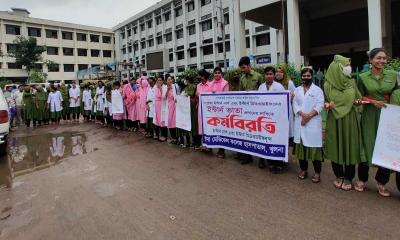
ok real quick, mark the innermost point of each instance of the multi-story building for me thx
(174, 35)
(72, 47)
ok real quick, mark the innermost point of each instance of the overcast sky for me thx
(99, 13)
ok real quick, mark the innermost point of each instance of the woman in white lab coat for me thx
(54, 104)
(100, 102)
(308, 104)
(87, 102)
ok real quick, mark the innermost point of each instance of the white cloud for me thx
(99, 13)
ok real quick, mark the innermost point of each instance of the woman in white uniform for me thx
(308, 104)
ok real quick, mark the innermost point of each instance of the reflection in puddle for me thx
(32, 153)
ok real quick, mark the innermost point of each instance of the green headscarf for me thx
(40, 94)
(339, 88)
(285, 80)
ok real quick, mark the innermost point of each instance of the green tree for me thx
(37, 76)
(26, 52)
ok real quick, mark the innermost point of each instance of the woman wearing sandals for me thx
(343, 144)
(376, 86)
(308, 104)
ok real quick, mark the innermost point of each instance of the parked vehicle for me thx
(4, 123)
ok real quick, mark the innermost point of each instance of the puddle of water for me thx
(32, 153)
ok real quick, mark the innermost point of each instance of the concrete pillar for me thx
(239, 47)
(293, 32)
(273, 45)
(375, 23)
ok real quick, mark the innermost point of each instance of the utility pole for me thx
(223, 32)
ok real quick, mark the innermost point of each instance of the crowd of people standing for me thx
(148, 105)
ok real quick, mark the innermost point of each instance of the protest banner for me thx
(255, 123)
(387, 144)
(183, 120)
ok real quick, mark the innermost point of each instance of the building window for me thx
(82, 67)
(130, 49)
(69, 68)
(39, 66)
(11, 47)
(129, 32)
(167, 16)
(81, 37)
(226, 18)
(247, 42)
(227, 47)
(190, 6)
(52, 50)
(193, 53)
(159, 40)
(149, 24)
(135, 47)
(123, 35)
(179, 34)
(192, 30)
(123, 50)
(51, 33)
(66, 35)
(94, 38)
(171, 57)
(54, 67)
(14, 66)
(142, 27)
(180, 55)
(135, 30)
(150, 42)
(206, 25)
(178, 12)
(106, 39)
(13, 29)
(94, 53)
(208, 66)
(262, 40)
(207, 50)
(143, 45)
(82, 52)
(68, 51)
(168, 37)
(107, 53)
(205, 2)
(158, 20)
(34, 32)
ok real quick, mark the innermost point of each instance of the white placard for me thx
(387, 144)
(183, 120)
(117, 103)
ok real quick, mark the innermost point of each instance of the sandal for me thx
(302, 175)
(359, 186)
(316, 178)
(338, 182)
(347, 185)
(383, 191)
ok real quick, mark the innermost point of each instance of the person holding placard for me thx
(308, 104)
(376, 86)
(219, 84)
(270, 85)
(203, 86)
(343, 143)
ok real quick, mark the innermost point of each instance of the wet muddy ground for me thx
(88, 182)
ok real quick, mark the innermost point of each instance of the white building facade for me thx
(72, 47)
(189, 33)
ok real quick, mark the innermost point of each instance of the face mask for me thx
(347, 70)
(185, 82)
(133, 85)
(278, 77)
(306, 81)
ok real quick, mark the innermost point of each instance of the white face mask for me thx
(347, 70)
(185, 82)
